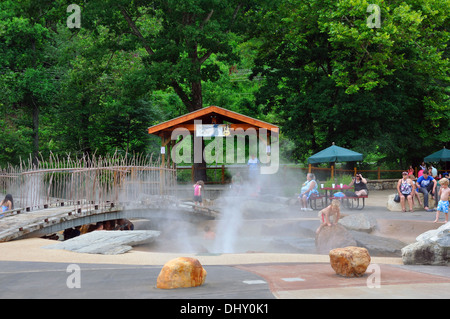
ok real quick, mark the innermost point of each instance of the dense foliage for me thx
(316, 68)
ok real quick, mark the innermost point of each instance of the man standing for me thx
(434, 172)
(426, 184)
(253, 167)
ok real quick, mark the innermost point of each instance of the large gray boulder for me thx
(331, 237)
(430, 248)
(355, 230)
(377, 245)
(107, 242)
(359, 222)
(393, 206)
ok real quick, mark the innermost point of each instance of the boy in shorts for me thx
(443, 204)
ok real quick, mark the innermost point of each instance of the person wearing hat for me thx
(426, 184)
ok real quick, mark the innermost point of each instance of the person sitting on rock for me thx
(326, 213)
(426, 184)
(406, 190)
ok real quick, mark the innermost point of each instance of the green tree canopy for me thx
(332, 78)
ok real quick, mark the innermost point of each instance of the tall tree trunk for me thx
(196, 103)
(85, 142)
(35, 114)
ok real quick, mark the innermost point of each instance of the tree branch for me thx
(205, 57)
(183, 96)
(208, 17)
(236, 11)
(136, 31)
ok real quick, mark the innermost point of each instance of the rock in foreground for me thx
(350, 261)
(107, 242)
(182, 272)
(431, 248)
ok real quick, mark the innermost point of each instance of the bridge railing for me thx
(86, 180)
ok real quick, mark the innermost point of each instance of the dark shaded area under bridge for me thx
(19, 224)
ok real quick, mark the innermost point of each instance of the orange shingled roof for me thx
(206, 114)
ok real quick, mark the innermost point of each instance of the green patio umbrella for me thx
(442, 155)
(335, 154)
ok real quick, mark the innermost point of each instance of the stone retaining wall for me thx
(215, 191)
(382, 184)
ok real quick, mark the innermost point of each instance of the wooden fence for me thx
(221, 174)
(85, 180)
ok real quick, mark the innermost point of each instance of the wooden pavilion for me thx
(210, 121)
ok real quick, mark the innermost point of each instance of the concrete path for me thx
(34, 272)
(29, 271)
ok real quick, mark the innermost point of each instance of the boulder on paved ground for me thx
(182, 272)
(431, 248)
(107, 242)
(349, 261)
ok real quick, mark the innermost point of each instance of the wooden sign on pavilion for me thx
(212, 121)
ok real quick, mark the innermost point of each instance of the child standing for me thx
(443, 204)
(327, 212)
(198, 192)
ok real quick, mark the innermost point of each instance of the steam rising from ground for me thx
(248, 221)
(237, 231)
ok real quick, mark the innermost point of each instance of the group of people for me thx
(428, 184)
(407, 188)
(310, 188)
(329, 215)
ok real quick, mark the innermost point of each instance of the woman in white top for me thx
(405, 188)
(308, 188)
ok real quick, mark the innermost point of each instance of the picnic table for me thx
(333, 189)
(351, 202)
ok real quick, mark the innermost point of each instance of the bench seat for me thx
(353, 202)
(313, 201)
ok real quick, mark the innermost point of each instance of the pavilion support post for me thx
(199, 161)
(162, 171)
(265, 145)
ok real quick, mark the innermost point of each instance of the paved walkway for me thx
(28, 271)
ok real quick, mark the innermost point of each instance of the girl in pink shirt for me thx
(198, 192)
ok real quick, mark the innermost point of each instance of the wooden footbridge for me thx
(19, 223)
(65, 193)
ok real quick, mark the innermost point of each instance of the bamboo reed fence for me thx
(85, 180)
